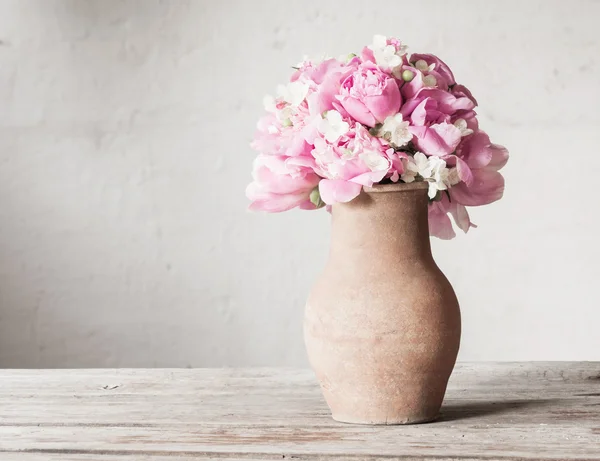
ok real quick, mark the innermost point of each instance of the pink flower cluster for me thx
(381, 117)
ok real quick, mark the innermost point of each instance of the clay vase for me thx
(382, 322)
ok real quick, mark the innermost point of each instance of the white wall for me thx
(124, 130)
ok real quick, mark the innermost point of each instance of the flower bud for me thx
(422, 65)
(315, 198)
(407, 75)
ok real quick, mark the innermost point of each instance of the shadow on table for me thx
(457, 411)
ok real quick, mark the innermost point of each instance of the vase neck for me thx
(386, 224)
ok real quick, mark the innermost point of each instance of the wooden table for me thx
(492, 412)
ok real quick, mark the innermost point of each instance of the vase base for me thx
(385, 422)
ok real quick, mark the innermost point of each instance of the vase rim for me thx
(396, 187)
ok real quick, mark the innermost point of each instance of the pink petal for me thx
(338, 191)
(464, 172)
(385, 104)
(439, 139)
(367, 55)
(449, 133)
(440, 225)
(410, 89)
(273, 203)
(461, 216)
(419, 114)
(499, 156)
(358, 110)
(463, 91)
(307, 205)
(284, 183)
(474, 149)
(487, 187)
(303, 161)
(370, 177)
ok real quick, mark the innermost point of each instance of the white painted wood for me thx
(495, 411)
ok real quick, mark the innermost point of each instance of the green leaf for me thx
(315, 198)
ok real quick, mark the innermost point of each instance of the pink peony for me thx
(343, 124)
(281, 184)
(485, 184)
(274, 139)
(431, 111)
(369, 95)
(356, 159)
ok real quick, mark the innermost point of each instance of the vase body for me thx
(382, 322)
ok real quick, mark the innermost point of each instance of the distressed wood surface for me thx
(502, 411)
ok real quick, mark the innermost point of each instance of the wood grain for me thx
(501, 411)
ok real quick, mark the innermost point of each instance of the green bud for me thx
(407, 75)
(350, 56)
(315, 198)
(287, 122)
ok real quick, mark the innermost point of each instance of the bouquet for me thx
(379, 117)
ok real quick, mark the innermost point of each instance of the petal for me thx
(464, 172)
(475, 150)
(274, 203)
(358, 111)
(463, 91)
(284, 183)
(487, 187)
(370, 177)
(439, 139)
(499, 156)
(307, 205)
(461, 216)
(367, 55)
(419, 114)
(386, 104)
(337, 190)
(440, 225)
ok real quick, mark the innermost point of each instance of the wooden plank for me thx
(492, 411)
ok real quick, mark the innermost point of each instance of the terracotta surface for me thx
(382, 323)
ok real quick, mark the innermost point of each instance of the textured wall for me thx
(124, 130)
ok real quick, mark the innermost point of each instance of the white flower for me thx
(375, 161)
(461, 124)
(307, 60)
(439, 176)
(433, 170)
(395, 130)
(332, 126)
(386, 56)
(293, 93)
(416, 165)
